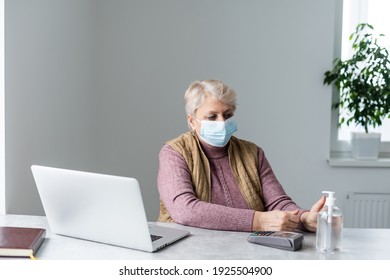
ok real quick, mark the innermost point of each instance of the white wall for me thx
(98, 86)
(48, 93)
(2, 114)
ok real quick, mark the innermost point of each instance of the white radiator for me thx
(367, 210)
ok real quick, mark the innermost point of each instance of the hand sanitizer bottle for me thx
(329, 226)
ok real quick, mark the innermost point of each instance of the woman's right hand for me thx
(275, 220)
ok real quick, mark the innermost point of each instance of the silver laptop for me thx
(101, 208)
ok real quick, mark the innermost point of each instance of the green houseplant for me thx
(364, 85)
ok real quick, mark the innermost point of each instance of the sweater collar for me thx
(212, 152)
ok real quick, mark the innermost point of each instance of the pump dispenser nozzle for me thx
(330, 201)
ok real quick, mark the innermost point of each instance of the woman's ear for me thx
(190, 121)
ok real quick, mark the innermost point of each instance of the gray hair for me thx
(197, 91)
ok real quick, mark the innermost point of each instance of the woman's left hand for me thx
(309, 219)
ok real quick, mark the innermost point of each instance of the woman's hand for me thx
(276, 220)
(309, 219)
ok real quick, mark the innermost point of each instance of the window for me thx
(374, 12)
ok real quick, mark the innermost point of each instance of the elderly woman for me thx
(208, 178)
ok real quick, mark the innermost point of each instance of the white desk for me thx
(202, 244)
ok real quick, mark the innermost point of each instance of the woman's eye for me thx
(228, 116)
(211, 118)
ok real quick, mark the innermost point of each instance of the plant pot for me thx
(365, 145)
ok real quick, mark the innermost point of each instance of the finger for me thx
(293, 212)
(293, 216)
(286, 226)
(318, 205)
(291, 226)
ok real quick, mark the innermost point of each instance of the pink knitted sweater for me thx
(227, 209)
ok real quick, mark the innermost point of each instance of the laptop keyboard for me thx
(155, 237)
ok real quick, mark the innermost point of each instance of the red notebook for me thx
(20, 241)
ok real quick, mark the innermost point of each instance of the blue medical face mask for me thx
(217, 133)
